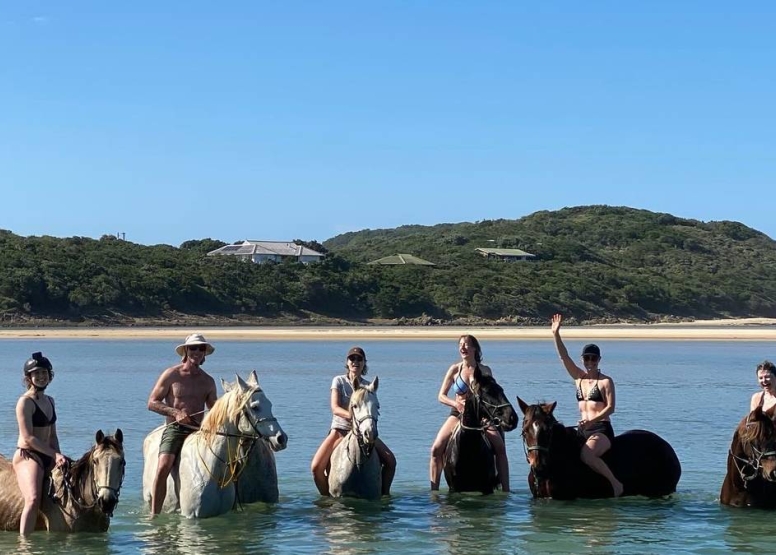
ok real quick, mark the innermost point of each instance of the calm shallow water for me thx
(691, 393)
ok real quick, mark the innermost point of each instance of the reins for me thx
(754, 462)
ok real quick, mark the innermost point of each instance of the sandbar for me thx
(747, 329)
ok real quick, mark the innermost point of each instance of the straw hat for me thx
(194, 339)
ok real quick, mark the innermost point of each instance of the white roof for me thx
(279, 248)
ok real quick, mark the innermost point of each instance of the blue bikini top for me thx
(459, 385)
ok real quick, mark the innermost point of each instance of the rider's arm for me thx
(336, 409)
(574, 371)
(447, 383)
(212, 394)
(754, 402)
(159, 394)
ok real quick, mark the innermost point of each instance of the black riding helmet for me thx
(38, 361)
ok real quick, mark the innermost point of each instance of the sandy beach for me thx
(751, 329)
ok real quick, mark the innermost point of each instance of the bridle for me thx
(70, 487)
(754, 461)
(491, 422)
(366, 450)
(527, 449)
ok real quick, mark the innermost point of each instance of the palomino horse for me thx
(644, 462)
(469, 462)
(751, 464)
(78, 497)
(214, 458)
(355, 469)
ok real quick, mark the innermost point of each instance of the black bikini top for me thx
(39, 418)
(594, 393)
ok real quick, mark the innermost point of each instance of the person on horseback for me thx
(341, 391)
(766, 377)
(459, 378)
(180, 395)
(38, 445)
(595, 394)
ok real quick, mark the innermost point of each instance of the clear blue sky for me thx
(275, 120)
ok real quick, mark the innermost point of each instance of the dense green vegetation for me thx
(594, 263)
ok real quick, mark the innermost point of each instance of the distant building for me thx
(510, 255)
(399, 259)
(269, 251)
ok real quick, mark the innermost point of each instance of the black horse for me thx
(469, 462)
(644, 462)
(750, 480)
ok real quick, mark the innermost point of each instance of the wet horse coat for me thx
(643, 461)
(750, 480)
(469, 462)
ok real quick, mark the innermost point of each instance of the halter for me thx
(70, 488)
(366, 450)
(234, 462)
(753, 462)
(492, 422)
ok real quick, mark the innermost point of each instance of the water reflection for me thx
(350, 526)
(469, 523)
(748, 530)
(236, 532)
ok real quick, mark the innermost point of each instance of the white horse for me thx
(214, 458)
(355, 469)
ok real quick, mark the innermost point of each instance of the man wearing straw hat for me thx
(180, 395)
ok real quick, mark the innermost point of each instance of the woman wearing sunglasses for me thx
(341, 391)
(595, 394)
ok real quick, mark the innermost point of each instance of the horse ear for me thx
(550, 407)
(253, 379)
(119, 436)
(225, 385)
(99, 437)
(375, 383)
(523, 405)
(241, 384)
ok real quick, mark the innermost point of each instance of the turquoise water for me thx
(691, 393)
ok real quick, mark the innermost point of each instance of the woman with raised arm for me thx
(458, 378)
(595, 394)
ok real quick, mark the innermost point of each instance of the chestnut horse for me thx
(644, 462)
(751, 463)
(469, 462)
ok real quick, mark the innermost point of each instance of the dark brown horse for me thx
(644, 462)
(469, 462)
(751, 464)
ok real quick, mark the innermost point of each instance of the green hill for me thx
(595, 263)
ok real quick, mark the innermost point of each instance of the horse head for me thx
(538, 428)
(755, 451)
(107, 464)
(256, 418)
(364, 412)
(492, 404)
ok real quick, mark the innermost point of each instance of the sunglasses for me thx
(200, 348)
(590, 357)
(355, 358)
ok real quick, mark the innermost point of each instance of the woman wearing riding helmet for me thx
(38, 445)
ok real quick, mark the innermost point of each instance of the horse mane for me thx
(358, 396)
(227, 408)
(757, 427)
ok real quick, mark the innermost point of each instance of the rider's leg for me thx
(388, 462)
(320, 463)
(436, 464)
(595, 446)
(500, 453)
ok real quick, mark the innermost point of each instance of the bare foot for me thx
(617, 487)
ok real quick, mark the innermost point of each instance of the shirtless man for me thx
(181, 394)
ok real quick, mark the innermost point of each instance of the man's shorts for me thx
(173, 437)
